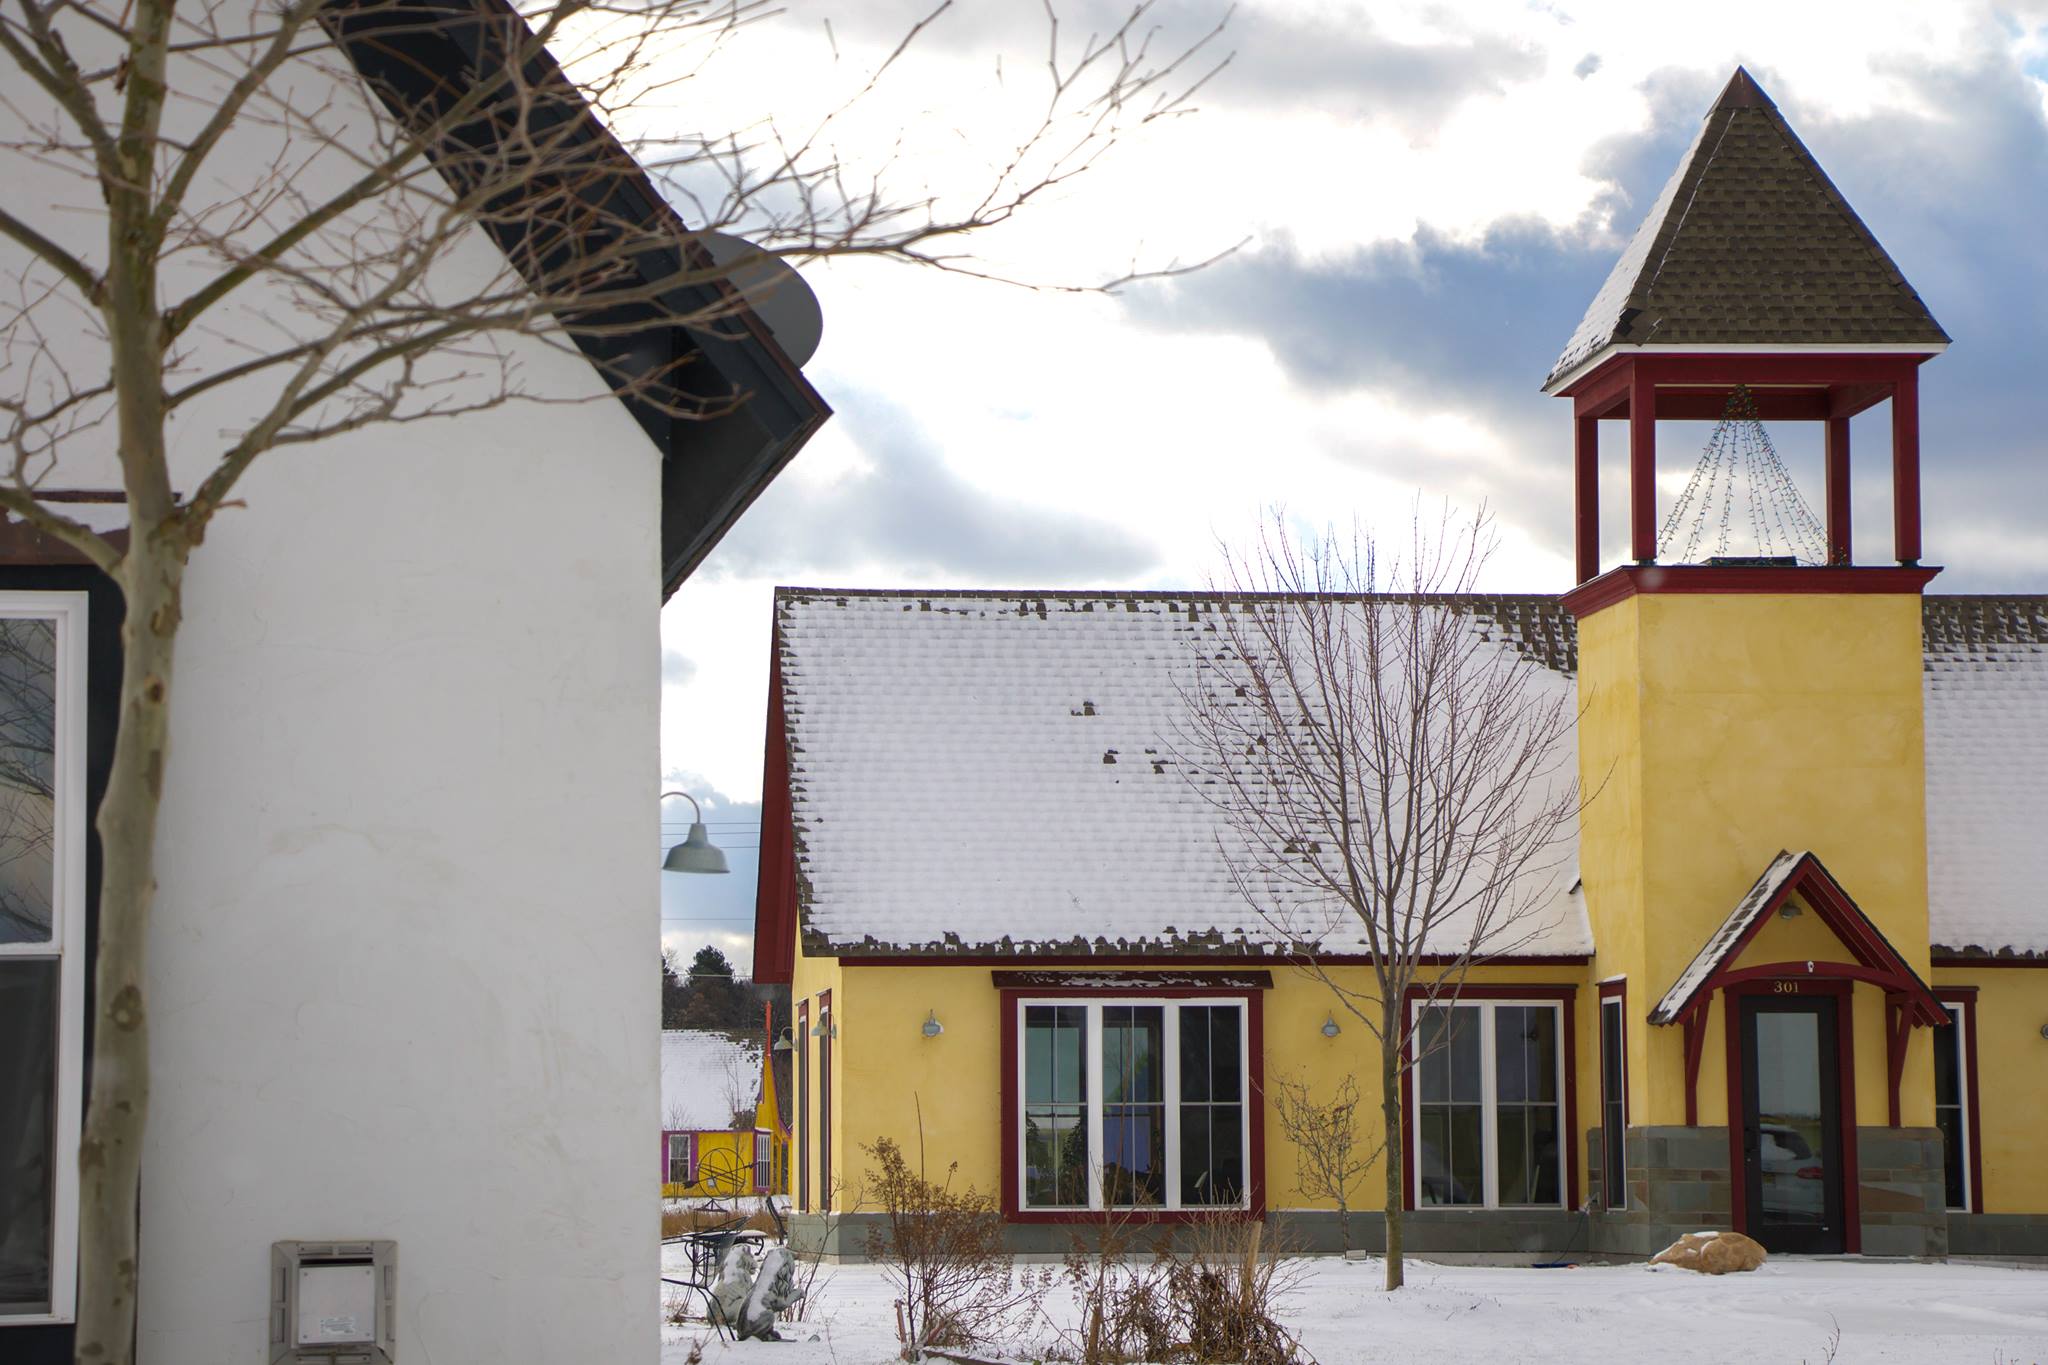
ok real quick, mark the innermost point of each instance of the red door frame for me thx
(1843, 994)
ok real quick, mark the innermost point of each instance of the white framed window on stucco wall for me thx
(1489, 1103)
(1141, 1103)
(42, 950)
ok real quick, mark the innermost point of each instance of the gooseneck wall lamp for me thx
(696, 853)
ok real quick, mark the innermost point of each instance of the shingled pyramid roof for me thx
(1751, 244)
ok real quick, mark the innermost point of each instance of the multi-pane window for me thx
(1489, 1121)
(1613, 1104)
(681, 1147)
(1951, 1105)
(764, 1161)
(1055, 1105)
(1133, 1106)
(1211, 1105)
(1128, 1104)
(42, 823)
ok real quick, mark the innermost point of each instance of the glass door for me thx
(1791, 1127)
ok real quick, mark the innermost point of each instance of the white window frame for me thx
(1960, 1039)
(689, 1141)
(1609, 1184)
(1489, 1122)
(1091, 1044)
(67, 610)
(764, 1160)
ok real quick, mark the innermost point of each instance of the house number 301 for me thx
(1784, 988)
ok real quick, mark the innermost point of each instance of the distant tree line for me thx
(709, 995)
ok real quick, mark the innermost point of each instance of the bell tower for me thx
(1739, 708)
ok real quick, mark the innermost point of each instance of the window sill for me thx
(1241, 1214)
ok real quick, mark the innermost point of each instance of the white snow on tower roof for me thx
(705, 1077)
(1987, 772)
(990, 771)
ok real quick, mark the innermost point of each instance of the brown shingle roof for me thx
(1751, 244)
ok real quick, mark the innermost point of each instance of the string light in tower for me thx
(1740, 463)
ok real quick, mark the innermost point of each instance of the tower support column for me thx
(1838, 490)
(1642, 466)
(1586, 495)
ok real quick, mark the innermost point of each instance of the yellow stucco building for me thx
(724, 1130)
(1802, 915)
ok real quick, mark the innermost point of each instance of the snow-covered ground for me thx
(1785, 1312)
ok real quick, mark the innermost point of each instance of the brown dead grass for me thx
(677, 1220)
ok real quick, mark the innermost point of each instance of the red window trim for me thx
(1616, 991)
(1567, 998)
(1964, 998)
(1255, 1106)
(803, 1106)
(1843, 993)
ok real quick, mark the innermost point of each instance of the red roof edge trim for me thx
(1630, 580)
(775, 896)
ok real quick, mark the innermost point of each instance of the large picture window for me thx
(1132, 1104)
(1488, 1120)
(42, 949)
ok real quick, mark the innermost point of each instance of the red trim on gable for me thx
(1630, 580)
(1878, 962)
(775, 898)
(1975, 963)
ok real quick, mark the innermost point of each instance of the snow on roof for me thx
(1986, 678)
(951, 790)
(705, 1077)
(992, 771)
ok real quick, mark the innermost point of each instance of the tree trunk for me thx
(1390, 1115)
(151, 576)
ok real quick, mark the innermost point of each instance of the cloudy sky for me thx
(1428, 195)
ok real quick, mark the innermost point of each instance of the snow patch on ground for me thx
(1493, 1315)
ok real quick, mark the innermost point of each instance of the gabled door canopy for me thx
(1908, 1002)
(1877, 962)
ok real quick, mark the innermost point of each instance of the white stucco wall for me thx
(402, 956)
(402, 964)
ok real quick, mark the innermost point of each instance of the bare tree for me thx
(1395, 779)
(739, 1087)
(1330, 1159)
(259, 240)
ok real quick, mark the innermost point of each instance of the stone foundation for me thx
(2003, 1235)
(1903, 1193)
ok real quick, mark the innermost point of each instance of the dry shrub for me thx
(942, 1248)
(1215, 1303)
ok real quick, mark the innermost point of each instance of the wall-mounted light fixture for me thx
(826, 1027)
(783, 1042)
(2044, 1030)
(932, 1027)
(1330, 1029)
(696, 853)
